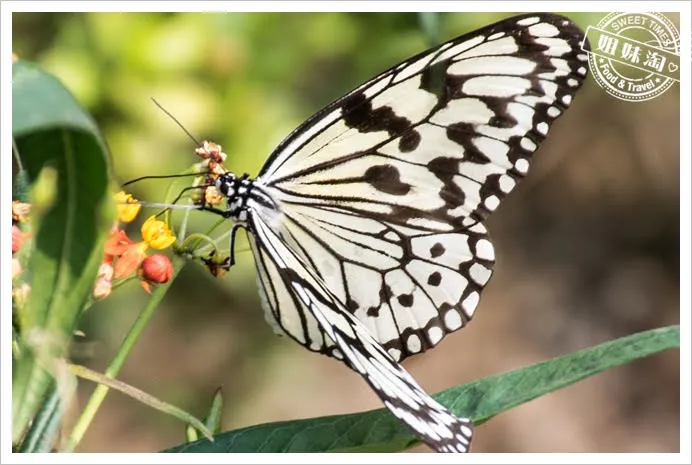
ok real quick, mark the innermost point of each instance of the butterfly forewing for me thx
(383, 191)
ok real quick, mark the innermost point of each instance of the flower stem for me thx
(99, 394)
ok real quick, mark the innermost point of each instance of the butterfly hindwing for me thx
(353, 343)
(423, 285)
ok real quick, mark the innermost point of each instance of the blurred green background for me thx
(587, 247)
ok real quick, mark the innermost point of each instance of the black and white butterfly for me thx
(366, 221)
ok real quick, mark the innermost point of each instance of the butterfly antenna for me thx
(164, 176)
(176, 122)
(167, 206)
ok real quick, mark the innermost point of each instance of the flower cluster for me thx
(212, 167)
(20, 214)
(124, 257)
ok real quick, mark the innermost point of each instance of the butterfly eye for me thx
(225, 183)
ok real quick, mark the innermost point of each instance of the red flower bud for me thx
(157, 269)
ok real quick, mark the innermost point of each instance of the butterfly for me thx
(366, 222)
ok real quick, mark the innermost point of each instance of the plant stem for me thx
(99, 394)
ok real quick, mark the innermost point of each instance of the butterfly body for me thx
(366, 222)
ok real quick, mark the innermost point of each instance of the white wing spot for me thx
(566, 99)
(458, 49)
(582, 57)
(507, 183)
(412, 68)
(336, 353)
(522, 165)
(479, 273)
(452, 320)
(376, 88)
(467, 110)
(526, 144)
(435, 334)
(510, 67)
(582, 71)
(497, 86)
(544, 30)
(553, 112)
(497, 35)
(470, 303)
(485, 250)
(395, 354)
(392, 236)
(468, 221)
(572, 82)
(528, 21)
(466, 431)
(413, 343)
(542, 127)
(492, 202)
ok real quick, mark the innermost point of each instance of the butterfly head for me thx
(227, 184)
(236, 189)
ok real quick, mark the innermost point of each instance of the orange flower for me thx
(129, 253)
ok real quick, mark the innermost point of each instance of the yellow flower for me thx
(157, 234)
(127, 206)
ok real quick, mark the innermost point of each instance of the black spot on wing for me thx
(409, 141)
(435, 278)
(463, 134)
(406, 300)
(359, 114)
(386, 178)
(437, 250)
(434, 79)
(445, 168)
(373, 311)
(351, 305)
(385, 293)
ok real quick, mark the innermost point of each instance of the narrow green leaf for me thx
(212, 421)
(379, 431)
(213, 418)
(44, 428)
(191, 433)
(50, 129)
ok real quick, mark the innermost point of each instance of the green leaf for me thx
(59, 143)
(379, 431)
(45, 426)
